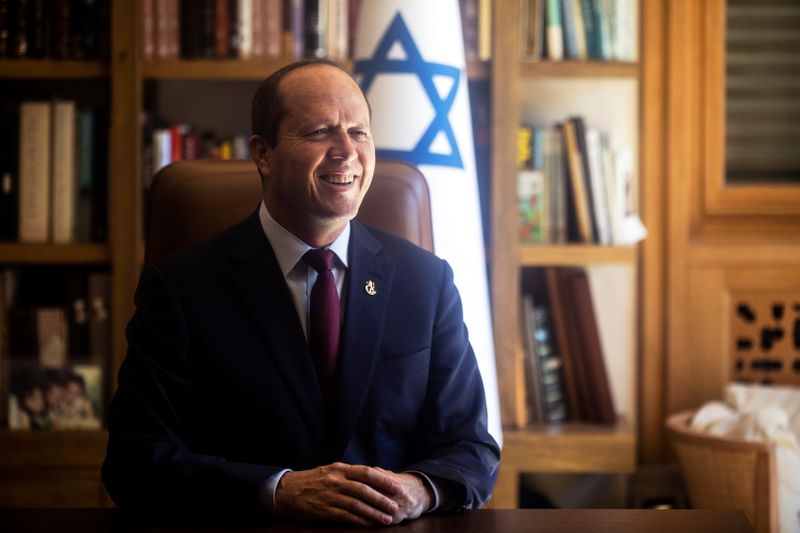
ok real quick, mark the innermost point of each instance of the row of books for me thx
(556, 30)
(573, 185)
(176, 142)
(565, 370)
(59, 29)
(247, 29)
(272, 29)
(54, 331)
(52, 168)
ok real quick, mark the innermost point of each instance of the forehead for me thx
(321, 87)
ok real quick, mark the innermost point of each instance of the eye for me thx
(361, 134)
(319, 132)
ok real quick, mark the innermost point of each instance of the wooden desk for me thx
(482, 521)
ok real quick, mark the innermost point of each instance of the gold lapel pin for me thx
(370, 288)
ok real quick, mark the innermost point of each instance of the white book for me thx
(245, 14)
(162, 149)
(34, 171)
(64, 186)
(598, 180)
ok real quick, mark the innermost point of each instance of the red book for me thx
(590, 350)
(222, 29)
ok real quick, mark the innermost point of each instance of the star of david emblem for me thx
(413, 63)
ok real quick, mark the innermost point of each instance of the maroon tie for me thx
(325, 320)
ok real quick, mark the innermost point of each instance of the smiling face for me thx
(321, 166)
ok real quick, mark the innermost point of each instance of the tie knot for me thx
(319, 259)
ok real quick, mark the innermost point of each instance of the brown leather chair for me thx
(190, 200)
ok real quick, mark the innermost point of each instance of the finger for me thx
(376, 478)
(354, 507)
(368, 495)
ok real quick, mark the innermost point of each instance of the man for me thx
(224, 401)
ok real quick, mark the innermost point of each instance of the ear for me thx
(259, 153)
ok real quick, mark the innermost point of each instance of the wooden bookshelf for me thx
(54, 254)
(560, 448)
(532, 255)
(579, 69)
(52, 69)
(209, 69)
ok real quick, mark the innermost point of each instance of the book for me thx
(9, 171)
(64, 184)
(245, 27)
(580, 31)
(51, 333)
(549, 366)
(554, 33)
(34, 171)
(577, 184)
(590, 351)
(531, 29)
(533, 381)
(579, 126)
(566, 343)
(222, 28)
(555, 183)
(147, 20)
(484, 30)
(99, 314)
(600, 207)
(273, 29)
(570, 35)
(531, 197)
(469, 28)
(294, 32)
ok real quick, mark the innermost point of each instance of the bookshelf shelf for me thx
(210, 69)
(579, 69)
(78, 253)
(44, 448)
(52, 69)
(534, 255)
(571, 447)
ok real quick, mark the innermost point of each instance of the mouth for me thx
(337, 178)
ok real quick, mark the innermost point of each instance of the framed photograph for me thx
(49, 398)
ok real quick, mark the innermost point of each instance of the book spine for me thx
(273, 28)
(162, 28)
(579, 127)
(312, 29)
(222, 27)
(533, 380)
(554, 31)
(34, 162)
(147, 8)
(570, 39)
(580, 30)
(591, 350)
(577, 183)
(86, 138)
(5, 28)
(295, 14)
(245, 29)
(207, 27)
(77, 29)
(259, 32)
(173, 46)
(469, 27)
(484, 30)
(63, 172)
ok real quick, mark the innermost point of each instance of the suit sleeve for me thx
(149, 464)
(461, 456)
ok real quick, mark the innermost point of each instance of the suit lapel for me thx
(369, 282)
(260, 284)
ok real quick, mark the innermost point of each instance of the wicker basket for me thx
(723, 473)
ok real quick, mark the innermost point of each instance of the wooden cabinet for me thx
(714, 245)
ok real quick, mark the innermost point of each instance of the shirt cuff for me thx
(267, 493)
(432, 486)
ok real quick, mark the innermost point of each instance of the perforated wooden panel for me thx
(766, 337)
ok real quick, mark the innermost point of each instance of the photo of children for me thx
(54, 398)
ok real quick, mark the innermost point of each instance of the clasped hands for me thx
(352, 494)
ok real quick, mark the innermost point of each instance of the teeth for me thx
(339, 179)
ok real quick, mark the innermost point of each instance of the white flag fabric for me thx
(409, 58)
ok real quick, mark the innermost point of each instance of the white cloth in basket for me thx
(763, 414)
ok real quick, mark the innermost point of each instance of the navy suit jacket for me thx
(218, 390)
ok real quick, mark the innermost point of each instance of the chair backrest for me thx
(190, 200)
(723, 473)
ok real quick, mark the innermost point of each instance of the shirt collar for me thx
(289, 249)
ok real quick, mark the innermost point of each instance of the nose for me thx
(342, 148)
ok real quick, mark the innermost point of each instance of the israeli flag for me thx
(409, 58)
